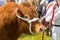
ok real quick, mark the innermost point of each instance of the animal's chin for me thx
(34, 31)
(28, 33)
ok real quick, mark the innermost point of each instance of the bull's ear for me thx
(19, 12)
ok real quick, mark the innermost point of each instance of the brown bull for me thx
(11, 26)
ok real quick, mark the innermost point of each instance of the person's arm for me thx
(49, 10)
(48, 13)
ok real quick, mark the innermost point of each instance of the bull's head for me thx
(28, 18)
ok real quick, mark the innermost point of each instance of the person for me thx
(39, 9)
(53, 15)
(2, 2)
(48, 29)
(44, 3)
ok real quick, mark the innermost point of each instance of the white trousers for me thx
(55, 33)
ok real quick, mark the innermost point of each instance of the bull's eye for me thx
(20, 13)
(26, 16)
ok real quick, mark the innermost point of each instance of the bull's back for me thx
(8, 22)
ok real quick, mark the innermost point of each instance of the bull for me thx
(17, 19)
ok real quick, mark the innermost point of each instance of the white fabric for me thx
(49, 12)
(44, 2)
(55, 33)
(48, 15)
(56, 19)
(19, 1)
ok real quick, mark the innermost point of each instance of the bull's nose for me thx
(41, 29)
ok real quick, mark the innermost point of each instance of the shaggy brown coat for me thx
(11, 26)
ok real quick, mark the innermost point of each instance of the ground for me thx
(33, 37)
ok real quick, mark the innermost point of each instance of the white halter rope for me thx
(29, 21)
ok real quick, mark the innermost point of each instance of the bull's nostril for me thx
(41, 29)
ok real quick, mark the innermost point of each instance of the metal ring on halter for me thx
(29, 21)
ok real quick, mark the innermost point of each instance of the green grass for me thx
(33, 37)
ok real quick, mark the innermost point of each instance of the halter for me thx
(29, 21)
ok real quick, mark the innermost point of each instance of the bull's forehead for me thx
(28, 9)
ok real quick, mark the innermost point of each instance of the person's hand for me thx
(41, 19)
